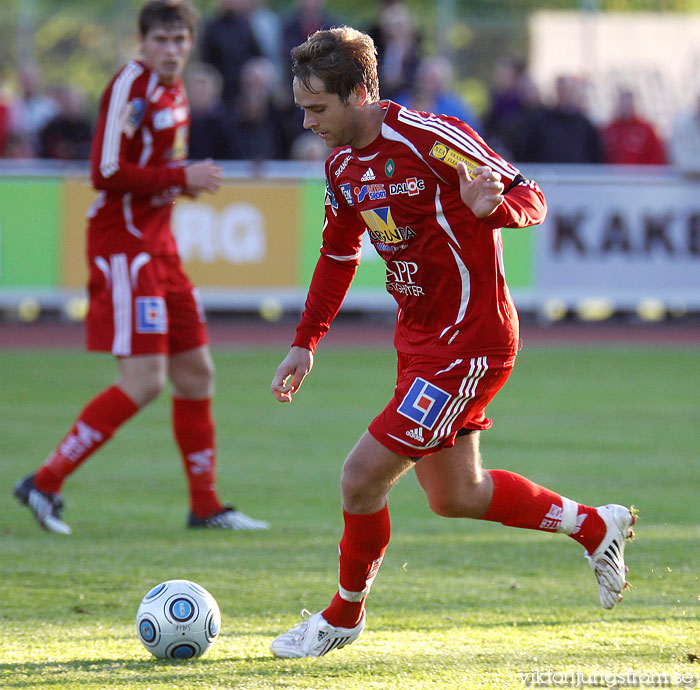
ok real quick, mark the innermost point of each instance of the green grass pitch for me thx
(456, 605)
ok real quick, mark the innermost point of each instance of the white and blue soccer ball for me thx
(178, 619)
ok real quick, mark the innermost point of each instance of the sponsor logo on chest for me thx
(382, 228)
(412, 186)
(373, 191)
(169, 117)
(400, 278)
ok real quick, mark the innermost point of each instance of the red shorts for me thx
(143, 305)
(434, 399)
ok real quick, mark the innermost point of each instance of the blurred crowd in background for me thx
(240, 94)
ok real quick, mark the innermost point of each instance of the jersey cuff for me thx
(308, 337)
(499, 217)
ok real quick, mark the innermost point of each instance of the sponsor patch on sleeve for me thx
(330, 197)
(345, 189)
(151, 316)
(451, 156)
(132, 116)
(424, 403)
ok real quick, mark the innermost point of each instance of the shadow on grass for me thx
(125, 673)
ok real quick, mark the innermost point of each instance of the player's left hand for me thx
(202, 176)
(482, 192)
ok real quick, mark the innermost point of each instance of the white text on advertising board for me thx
(235, 234)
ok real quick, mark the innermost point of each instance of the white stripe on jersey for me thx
(121, 304)
(129, 216)
(499, 251)
(151, 93)
(466, 286)
(347, 257)
(337, 155)
(440, 217)
(458, 138)
(109, 160)
(147, 139)
(96, 205)
(390, 133)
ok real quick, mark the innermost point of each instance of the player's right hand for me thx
(481, 190)
(295, 366)
(202, 176)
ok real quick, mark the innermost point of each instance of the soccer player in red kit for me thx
(143, 308)
(432, 197)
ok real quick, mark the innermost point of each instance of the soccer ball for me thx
(178, 619)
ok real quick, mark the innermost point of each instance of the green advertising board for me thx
(519, 256)
(29, 234)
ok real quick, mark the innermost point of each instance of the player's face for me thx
(166, 49)
(337, 123)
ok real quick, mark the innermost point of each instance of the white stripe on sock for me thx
(569, 513)
(346, 595)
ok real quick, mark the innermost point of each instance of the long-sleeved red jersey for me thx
(138, 152)
(444, 266)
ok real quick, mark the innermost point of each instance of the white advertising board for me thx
(623, 235)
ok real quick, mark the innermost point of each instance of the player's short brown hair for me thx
(342, 58)
(167, 13)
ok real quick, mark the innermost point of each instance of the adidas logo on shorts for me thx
(416, 434)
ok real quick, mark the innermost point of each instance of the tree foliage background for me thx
(82, 42)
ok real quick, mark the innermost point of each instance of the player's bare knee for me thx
(363, 489)
(353, 486)
(192, 375)
(142, 380)
(194, 383)
(151, 386)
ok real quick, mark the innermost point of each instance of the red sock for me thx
(95, 425)
(362, 548)
(194, 432)
(518, 502)
(590, 528)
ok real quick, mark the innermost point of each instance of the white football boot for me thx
(314, 636)
(228, 518)
(46, 508)
(608, 560)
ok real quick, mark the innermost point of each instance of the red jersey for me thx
(138, 151)
(444, 266)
